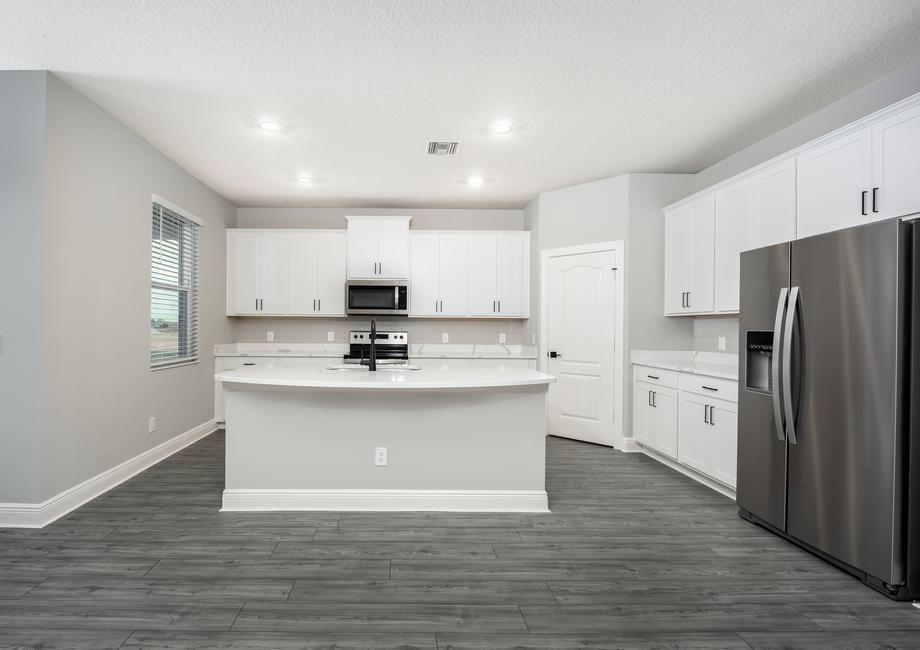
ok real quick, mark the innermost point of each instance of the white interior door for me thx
(581, 335)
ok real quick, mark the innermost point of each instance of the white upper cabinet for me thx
(453, 275)
(378, 248)
(256, 273)
(499, 275)
(735, 217)
(285, 273)
(439, 271)
(754, 211)
(690, 252)
(834, 184)
(774, 204)
(895, 188)
(316, 277)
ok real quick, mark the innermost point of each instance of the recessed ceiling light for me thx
(268, 124)
(502, 128)
(304, 179)
(474, 181)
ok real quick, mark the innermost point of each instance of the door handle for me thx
(649, 398)
(712, 411)
(655, 399)
(875, 199)
(319, 304)
(777, 334)
(683, 299)
(688, 300)
(706, 413)
(499, 306)
(652, 376)
(787, 363)
(710, 388)
(863, 204)
(555, 355)
(493, 306)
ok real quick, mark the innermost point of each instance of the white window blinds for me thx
(173, 289)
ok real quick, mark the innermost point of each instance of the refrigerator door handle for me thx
(777, 333)
(787, 364)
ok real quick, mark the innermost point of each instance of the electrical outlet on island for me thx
(330, 336)
(722, 343)
(501, 337)
(269, 336)
(444, 337)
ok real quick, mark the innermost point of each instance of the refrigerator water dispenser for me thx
(759, 359)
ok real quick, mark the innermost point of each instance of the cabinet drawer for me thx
(655, 376)
(712, 387)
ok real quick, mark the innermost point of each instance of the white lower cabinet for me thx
(690, 418)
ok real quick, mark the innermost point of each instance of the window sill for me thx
(177, 364)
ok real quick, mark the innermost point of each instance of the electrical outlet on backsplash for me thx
(707, 331)
(421, 330)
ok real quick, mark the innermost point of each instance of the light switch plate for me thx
(269, 336)
(444, 337)
(501, 337)
(152, 425)
(722, 343)
(380, 456)
(330, 336)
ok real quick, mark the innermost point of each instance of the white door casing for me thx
(582, 322)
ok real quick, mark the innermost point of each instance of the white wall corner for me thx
(38, 515)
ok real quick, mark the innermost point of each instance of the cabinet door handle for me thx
(706, 413)
(875, 199)
(655, 399)
(251, 363)
(688, 299)
(863, 202)
(710, 388)
(652, 376)
(493, 306)
(650, 398)
(319, 304)
(314, 304)
(499, 306)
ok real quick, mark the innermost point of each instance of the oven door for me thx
(377, 298)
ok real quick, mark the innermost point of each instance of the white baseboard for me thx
(387, 500)
(37, 515)
(696, 476)
(630, 446)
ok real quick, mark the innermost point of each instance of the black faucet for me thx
(372, 360)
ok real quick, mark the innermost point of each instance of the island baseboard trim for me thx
(38, 515)
(240, 500)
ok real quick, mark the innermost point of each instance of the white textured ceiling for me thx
(595, 89)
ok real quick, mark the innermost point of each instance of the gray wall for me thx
(22, 127)
(313, 330)
(97, 387)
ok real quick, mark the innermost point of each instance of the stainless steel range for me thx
(392, 348)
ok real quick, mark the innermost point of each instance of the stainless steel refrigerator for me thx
(828, 454)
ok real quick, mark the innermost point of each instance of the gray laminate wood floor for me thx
(633, 556)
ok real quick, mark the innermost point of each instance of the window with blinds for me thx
(173, 289)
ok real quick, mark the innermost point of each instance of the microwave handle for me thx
(396, 297)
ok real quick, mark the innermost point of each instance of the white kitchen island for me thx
(457, 438)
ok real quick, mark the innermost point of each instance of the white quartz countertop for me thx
(416, 350)
(710, 364)
(440, 378)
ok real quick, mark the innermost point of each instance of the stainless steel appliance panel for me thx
(846, 377)
(761, 488)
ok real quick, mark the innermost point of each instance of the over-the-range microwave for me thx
(377, 297)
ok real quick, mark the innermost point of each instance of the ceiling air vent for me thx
(444, 148)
